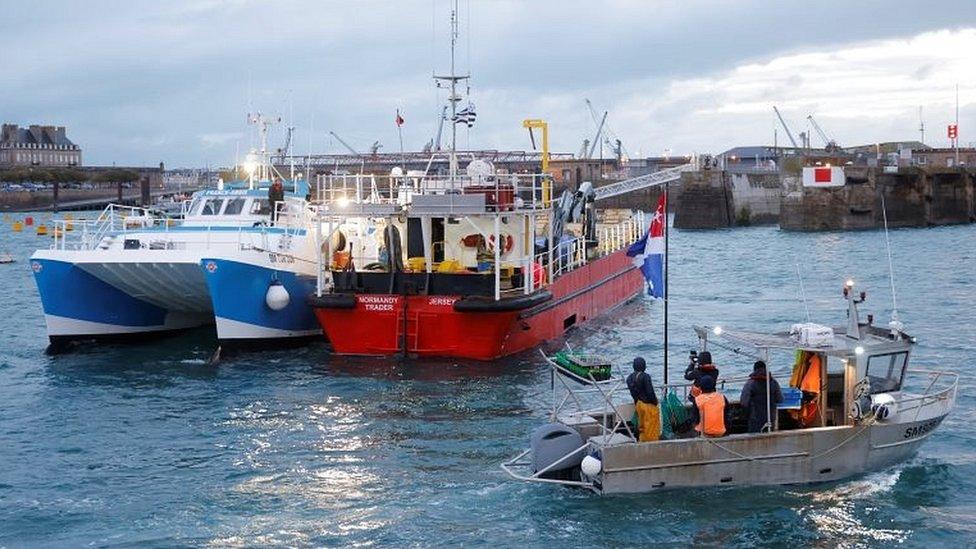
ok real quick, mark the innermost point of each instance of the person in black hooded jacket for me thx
(696, 370)
(645, 402)
(759, 410)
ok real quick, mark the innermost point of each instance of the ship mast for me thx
(454, 98)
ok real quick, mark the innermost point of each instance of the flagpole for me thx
(666, 285)
(403, 165)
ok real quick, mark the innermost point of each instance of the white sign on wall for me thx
(823, 176)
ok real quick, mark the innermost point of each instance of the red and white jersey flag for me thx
(648, 251)
(399, 119)
(823, 176)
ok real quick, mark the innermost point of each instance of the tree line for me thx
(67, 175)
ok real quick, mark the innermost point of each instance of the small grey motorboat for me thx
(867, 411)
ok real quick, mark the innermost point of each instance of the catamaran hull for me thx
(79, 305)
(238, 290)
(436, 326)
(784, 457)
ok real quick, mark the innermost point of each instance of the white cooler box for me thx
(809, 334)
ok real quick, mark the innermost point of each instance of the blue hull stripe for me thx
(68, 291)
(238, 290)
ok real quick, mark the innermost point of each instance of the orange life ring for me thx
(507, 238)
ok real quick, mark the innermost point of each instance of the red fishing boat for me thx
(474, 266)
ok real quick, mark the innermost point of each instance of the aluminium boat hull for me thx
(783, 457)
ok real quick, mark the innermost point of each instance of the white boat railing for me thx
(503, 192)
(121, 221)
(933, 394)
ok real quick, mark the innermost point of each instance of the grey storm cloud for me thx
(141, 82)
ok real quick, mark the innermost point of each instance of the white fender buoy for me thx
(884, 406)
(277, 297)
(591, 466)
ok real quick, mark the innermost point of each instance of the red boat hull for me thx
(377, 323)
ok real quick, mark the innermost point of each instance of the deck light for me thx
(858, 350)
(849, 283)
(717, 330)
(342, 202)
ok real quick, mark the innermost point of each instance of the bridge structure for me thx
(645, 181)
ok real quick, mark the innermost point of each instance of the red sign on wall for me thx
(953, 131)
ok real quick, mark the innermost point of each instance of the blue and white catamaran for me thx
(235, 260)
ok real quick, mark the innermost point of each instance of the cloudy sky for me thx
(142, 82)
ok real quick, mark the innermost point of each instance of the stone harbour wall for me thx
(911, 197)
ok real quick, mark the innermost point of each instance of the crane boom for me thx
(596, 140)
(785, 127)
(440, 129)
(344, 144)
(827, 141)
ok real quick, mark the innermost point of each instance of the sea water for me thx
(149, 445)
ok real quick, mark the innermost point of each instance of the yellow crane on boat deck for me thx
(538, 123)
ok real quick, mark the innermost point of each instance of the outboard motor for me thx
(551, 443)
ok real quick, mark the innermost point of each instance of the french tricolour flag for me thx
(648, 252)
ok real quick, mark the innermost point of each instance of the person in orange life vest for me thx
(645, 402)
(710, 409)
(696, 369)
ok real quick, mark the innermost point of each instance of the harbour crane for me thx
(608, 135)
(539, 124)
(785, 127)
(286, 151)
(344, 144)
(596, 140)
(584, 148)
(287, 147)
(440, 129)
(829, 144)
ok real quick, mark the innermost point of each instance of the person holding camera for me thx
(699, 367)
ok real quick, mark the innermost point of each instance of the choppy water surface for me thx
(149, 445)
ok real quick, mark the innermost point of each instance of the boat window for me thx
(234, 206)
(885, 372)
(261, 206)
(210, 206)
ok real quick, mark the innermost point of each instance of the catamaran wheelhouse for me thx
(460, 266)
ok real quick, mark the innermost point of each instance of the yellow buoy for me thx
(18, 226)
(41, 229)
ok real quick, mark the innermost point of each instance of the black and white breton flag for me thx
(466, 115)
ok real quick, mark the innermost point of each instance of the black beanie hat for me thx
(707, 384)
(704, 357)
(639, 364)
(759, 366)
